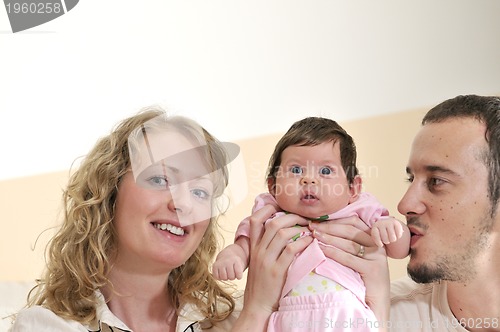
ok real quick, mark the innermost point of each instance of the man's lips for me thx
(414, 230)
(415, 235)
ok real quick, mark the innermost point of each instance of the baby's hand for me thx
(230, 263)
(387, 230)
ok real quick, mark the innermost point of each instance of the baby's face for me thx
(311, 181)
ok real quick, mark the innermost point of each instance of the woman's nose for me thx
(180, 199)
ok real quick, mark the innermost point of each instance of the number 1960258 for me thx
(34, 8)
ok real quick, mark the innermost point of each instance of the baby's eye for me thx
(325, 171)
(296, 170)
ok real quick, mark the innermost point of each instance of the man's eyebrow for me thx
(432, 169)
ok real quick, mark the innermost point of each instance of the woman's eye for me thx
(158, 181)
(325, 171)
(200, 193)
(296, 170)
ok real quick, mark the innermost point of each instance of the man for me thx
(452, 210)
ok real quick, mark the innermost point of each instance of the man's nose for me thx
(411, 203)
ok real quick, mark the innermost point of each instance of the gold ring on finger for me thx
(361, 251)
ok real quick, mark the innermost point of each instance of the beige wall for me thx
(30, 205)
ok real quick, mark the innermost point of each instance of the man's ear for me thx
(355, 188)
(271, 187)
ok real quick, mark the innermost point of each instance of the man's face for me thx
(447, 205)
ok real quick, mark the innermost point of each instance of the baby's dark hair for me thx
(312, 131)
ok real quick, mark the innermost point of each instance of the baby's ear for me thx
(271, 187)
(355, 188)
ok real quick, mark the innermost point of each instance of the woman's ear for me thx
(355, 188)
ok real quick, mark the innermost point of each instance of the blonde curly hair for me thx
(79, 256)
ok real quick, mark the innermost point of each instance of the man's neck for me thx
(476, 302)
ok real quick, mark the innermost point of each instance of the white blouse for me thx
(41, 319)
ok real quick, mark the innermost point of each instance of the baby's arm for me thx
(232, 260)
(394, 235)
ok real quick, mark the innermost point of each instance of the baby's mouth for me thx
(170, 228)
(309, 196)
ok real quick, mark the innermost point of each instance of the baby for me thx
(313, 173)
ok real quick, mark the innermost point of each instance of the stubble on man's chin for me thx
(459, 266)
(444, 268)
(424, 274)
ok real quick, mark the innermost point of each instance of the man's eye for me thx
(296, 170)
(325, 171)
(433, 182)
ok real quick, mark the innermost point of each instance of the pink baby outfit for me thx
(340, 308)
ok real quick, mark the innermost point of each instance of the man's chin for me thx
(424, 274)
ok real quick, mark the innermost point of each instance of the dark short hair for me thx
(312, 131)
(485, 109)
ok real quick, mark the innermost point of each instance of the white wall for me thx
(240, 67)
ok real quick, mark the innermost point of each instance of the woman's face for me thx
(163, 213)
